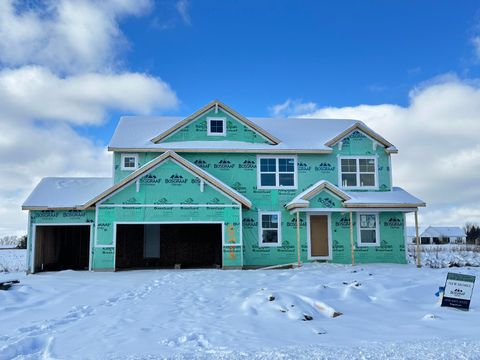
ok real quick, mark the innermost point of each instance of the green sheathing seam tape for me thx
(235, 131)
(52, 217)
(174, 195)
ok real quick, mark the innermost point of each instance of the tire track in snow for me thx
(36, 340)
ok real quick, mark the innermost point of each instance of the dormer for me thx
(216, 122)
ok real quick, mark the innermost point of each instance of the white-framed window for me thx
(277, 172)
(368, 233)
(358, 172)
(216, 126)
(269, 228)
(129, 161)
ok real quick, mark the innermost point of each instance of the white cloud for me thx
(476, 46)
(68, 35)
(438, 139)
(35, 92)
(182, 7)
(61, 72)
(291, 108)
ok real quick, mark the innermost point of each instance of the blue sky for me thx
(409, 69)
(254, 54)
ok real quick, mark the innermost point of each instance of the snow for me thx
(13, 260)
(396, 196)
(295, 133)
(444, 231)
(65, 192)
(448, 255)
(388, 312)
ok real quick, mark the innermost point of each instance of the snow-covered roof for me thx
(411, 232)
(397, 196)
(444, 231)
(304, 134)
(212, 180)
(65, 192)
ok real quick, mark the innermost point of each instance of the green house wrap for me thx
(217, 189)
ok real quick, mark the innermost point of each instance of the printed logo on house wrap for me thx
(326, 202)
(74, 214)
(231, 127)
(224, 165)
(132, 200)
(150, 179)
(248, 165)
(201, 126)
(189, 201)
(394, 223)
(46, 214)
(325, 167)
(201, 164)
(357, 135)
(239, 187)
(343, 222)
(249, 223)
(303, 167)
(175, 179)
(293, 222)
(214, 201)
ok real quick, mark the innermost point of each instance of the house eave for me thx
(229, 150)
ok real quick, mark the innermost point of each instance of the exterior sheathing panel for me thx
(172, 194)
(239, 171)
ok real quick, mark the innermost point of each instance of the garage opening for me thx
(168, 245)
(62, 247)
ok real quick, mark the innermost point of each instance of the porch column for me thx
(419, 260)
(298, 239)
(352, 245)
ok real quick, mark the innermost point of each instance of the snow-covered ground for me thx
(13, 260)
(441, 256)
(388, 312)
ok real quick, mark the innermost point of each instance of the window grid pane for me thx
(216, 126)
(277, 172)
(129, 162)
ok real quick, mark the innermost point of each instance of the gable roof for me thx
(301, 135)
(445, 231)
(395, 198)
(366, 130)
(213, 181)
(208, 107)
(57, 193)
(301, 200)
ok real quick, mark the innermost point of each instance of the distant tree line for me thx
(472, 231)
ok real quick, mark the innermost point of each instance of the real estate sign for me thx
(458, 291)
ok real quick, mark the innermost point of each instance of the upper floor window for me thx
(129, 162)
(368, 229)
(358, 172)
(277, 172)
(216, 126)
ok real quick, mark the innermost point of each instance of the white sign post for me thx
(458, 291)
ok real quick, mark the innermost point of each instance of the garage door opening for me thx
(62, 247)
(168, 245)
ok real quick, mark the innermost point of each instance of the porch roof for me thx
(395, 198)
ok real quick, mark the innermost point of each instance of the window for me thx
(368, 230)
(129, 161)
(277, 172)
(269, 229)
(358, 172)
(216, 126)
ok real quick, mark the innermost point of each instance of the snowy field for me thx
(13, 260)
(388, 312)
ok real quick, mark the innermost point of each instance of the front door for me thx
(319, 236)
